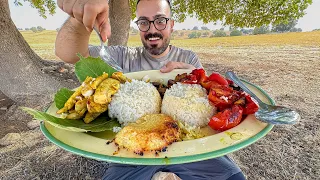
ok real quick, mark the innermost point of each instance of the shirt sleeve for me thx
(194, 60)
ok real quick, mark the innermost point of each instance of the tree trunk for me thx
(120, 16)
(20, 67)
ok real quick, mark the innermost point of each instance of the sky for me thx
(26, 17)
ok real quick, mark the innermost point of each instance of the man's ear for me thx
(172, 24)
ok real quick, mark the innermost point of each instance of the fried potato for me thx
(150, 132)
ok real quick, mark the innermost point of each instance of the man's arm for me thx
(74, 35)
(72, 38)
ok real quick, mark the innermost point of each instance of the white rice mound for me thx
(133, 100)
(189, 104)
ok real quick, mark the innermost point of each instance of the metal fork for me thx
(105, 55)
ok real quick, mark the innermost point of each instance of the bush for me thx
(235, 33)
(194, 34)
(219, 33)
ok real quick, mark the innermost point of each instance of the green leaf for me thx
(92, 67)
(61, 97)
(102, 123)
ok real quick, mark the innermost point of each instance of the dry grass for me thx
(43, 42)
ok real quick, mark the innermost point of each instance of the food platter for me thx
(96, 146)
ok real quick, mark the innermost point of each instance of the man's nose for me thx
(153, 28)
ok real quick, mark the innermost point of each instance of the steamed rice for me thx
(189, 104)
(133, 100)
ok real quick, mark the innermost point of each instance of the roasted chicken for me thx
(148, 133)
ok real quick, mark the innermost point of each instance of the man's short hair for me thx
(169, 2)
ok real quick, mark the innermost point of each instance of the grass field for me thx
(43, 42)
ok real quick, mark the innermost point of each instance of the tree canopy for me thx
(237, 13)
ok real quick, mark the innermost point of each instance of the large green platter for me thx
(94, 145)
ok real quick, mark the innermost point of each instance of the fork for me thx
(105, 55)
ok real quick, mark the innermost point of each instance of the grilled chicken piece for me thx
(87, 90)
(90, 117)
(81, 106)
(105, 90)
(150, 132)
(98, 80)
(120, 77)
(94, 110)
(74, 115)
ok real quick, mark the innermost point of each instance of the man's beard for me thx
(153, 49)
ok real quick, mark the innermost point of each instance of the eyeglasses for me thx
(159, 23)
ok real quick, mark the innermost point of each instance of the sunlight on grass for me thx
(43, 42)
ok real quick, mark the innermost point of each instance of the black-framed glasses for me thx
(159, 23)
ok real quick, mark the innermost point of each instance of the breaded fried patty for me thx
(150, 132)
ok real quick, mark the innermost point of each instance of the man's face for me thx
(155, 41)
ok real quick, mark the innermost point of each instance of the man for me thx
(155, 25)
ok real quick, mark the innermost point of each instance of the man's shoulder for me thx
(181, 50)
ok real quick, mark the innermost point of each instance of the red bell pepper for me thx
(226, 119)
(218, 78)
(201, 75)
(250, 106)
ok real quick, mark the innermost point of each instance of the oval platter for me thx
(95, 146)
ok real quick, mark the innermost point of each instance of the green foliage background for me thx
(238, 13)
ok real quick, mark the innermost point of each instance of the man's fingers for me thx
(104, 25)
(68, 7)
(78, 10)
(175, 65)
(89, 16)
(60, 4)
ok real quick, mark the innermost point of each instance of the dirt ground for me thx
(289, 74)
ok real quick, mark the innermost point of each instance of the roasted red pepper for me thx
(190, 79)
(226, 119)
(209, 84)
(218, 78)
(201, 75)
(250, 106)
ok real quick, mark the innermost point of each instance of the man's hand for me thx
(90, 13)
(175, 65)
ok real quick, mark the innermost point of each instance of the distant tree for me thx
(206, 34)
(221, 29)
(316, 29)
(20, 29)
(184, 29)
(195, 28)
(181, 33)
(296, 29)
(246, 31)
(34, 29)
(204, 28)
(261, 30)
(27, 29)
(133, 30)
(235, 33)
(219, 33)
(39, 28)
(194, 34)
(284, 27)
(175, 33)
(58, 29)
